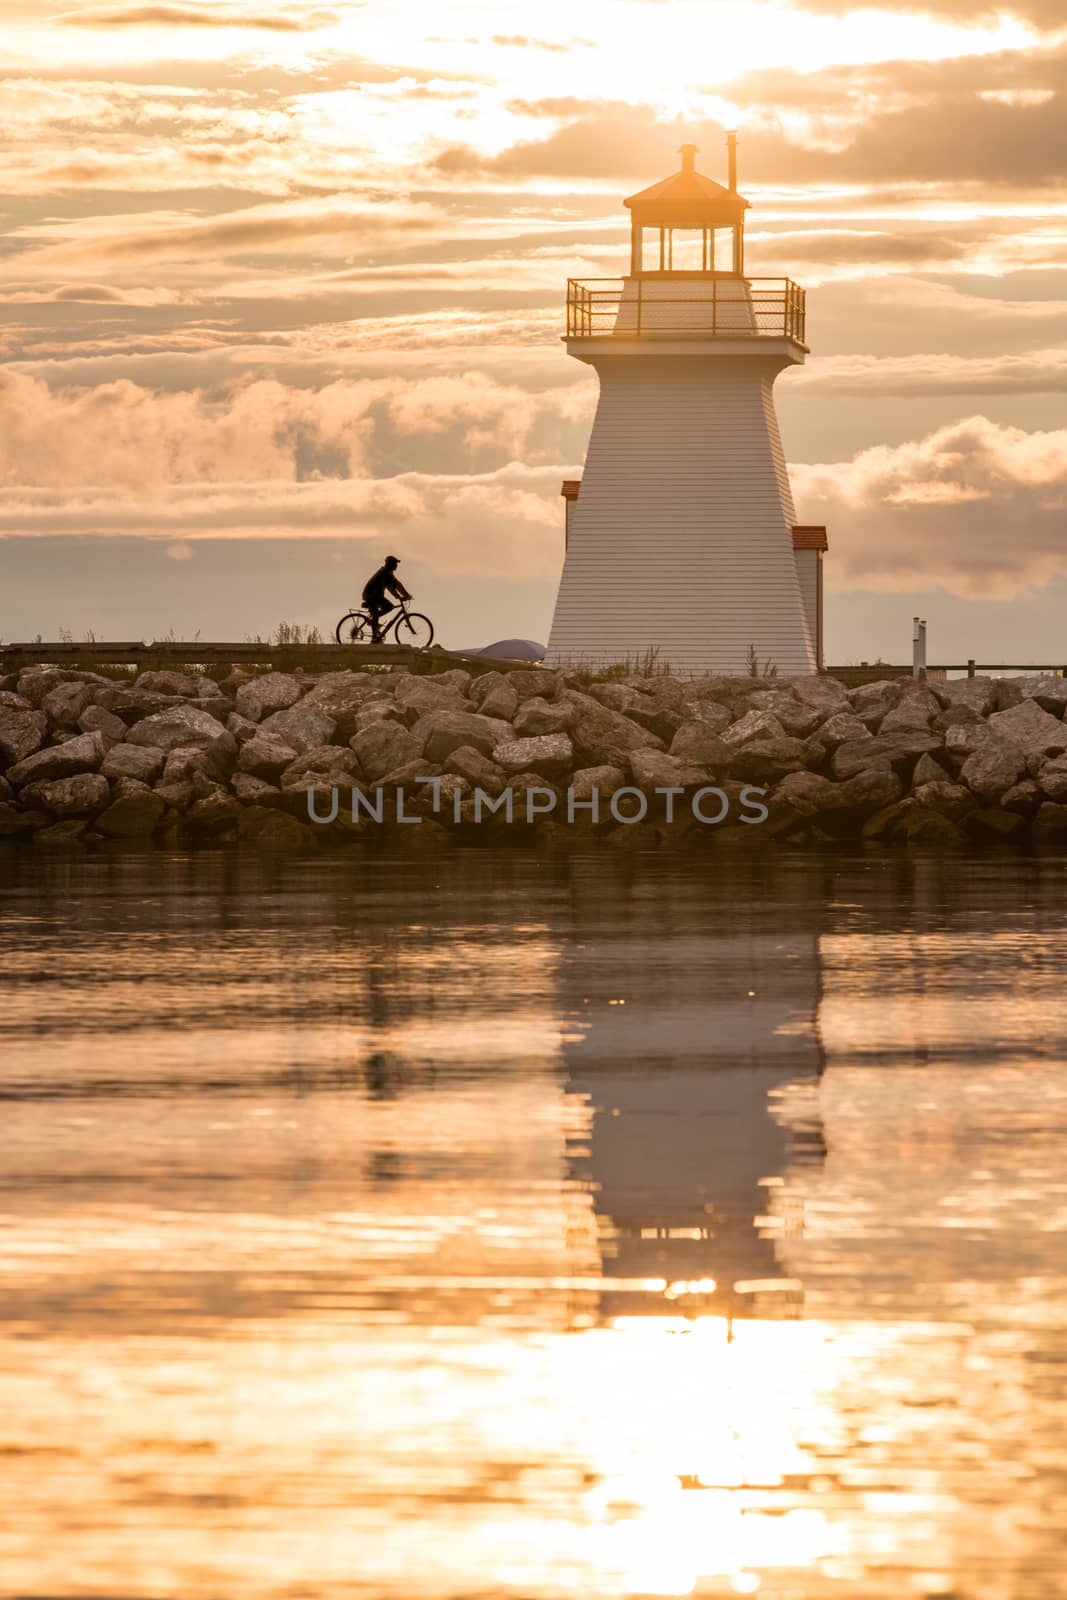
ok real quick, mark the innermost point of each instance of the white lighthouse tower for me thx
(680, 533)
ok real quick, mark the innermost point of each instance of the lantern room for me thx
(695, 226)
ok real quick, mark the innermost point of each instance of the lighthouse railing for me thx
(684, 305)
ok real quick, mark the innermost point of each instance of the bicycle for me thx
(407, 627)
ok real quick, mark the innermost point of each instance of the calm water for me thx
(488, 1227)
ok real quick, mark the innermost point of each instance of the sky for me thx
(282, 285)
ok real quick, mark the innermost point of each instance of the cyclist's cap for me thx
(392, 561)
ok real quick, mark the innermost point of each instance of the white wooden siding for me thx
(680, 540)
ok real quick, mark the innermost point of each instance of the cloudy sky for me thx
(281, 290)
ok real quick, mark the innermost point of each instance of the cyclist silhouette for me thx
(384, 582)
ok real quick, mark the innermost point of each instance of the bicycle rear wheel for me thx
(355, 628)
(414, 629)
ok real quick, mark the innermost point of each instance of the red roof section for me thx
(806, 536)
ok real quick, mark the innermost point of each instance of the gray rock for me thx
(550, 756)
(302, 727)
(978, 694)
(183, 764)
(991, 772)
(536, 716)
(807, 793)
(165, 681)
(536, 681)
(265, 758)
(382, 746)
(123, 788)
(655, 769)
(273, 691)
(141, 761)
(497, 699)
(407, 776)
(65, 703)
(207, 689)
(753, 725)
(616, 696)
(178, 796)
(826, 694)
(68, 832)
(342, 695)
(915, 709)
(468, 763)
(1034, 731)
(1052, 781)
(241, 727)
(182, 727)
(94, 719)
(868, 791)
(133, 816)
(797, 717)
(252, 791)
(214, 814)
(37, 682)
(331, 762)
(1007, 692)
(663, 721)
(956, 716)
(994, 826)
(1049, 691)
(83, 753)
(14, 822)
(441, 732)
(605, 738)
(950, 800)
(431, 694)
(767, 760)
(709, 713)
(22, 731)
(844, 727)
(272, 831)
(377, 711)
(963, 739)
(897, 749)
(927, 770)
(1025, 797)
(604, 780)
(80, 796)
(878, 697)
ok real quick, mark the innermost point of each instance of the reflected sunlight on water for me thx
(507, 1228)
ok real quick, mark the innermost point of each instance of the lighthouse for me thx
(680, 534)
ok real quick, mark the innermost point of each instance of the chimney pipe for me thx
(688, 154)
(731, 159)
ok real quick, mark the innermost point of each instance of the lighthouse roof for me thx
(687, 199)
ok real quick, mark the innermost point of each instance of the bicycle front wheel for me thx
(355, 628)
(414, 629)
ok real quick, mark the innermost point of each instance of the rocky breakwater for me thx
(293, 761)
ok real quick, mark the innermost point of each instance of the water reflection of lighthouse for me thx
(700, 1069)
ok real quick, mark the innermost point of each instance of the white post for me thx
(918, 647)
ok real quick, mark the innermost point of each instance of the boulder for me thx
(977, 694)
(604, 780)
(185, 727)
(468, 763)
(964, 738)
(122, 788)
(80, 796)
(655, 769)
(951, 800)
(537, 716)
(1052, 781)
(844, 727)
(83, 753)
(616, 696)
(441, 732)
(956, 716)
(663, 721)
(407, 777)
(868, 791)
(920, 826)
(708, 713)
(37, 682)
(166, 682)
(65, 703)
(6, 791)
(916, 708)
(753, 725)
(184, 764)
(343, 695)
(125, 760)
(767, 760)
(806, 793)
(214, 814)
(928, 770)
(374, 711)
(797, 717)
(1049, 691)
(329, 760)
(264, 757)
(1007, 692)
(605, 738)
(1032, 730)
(697, 742)
(1024, 797)
(536, 681)
(495, 696)
(272, 691)
(272, 830)
(251, 791)
(431, 693)
(302, 727)
(382, 746)
(241, 727)
(177, 796)
(94, 719)
(550, 756)
(899, 749)
(876, 699)
(68, 832)
(991, 772)
(133, 816)
(826, 694)
(22, 731)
